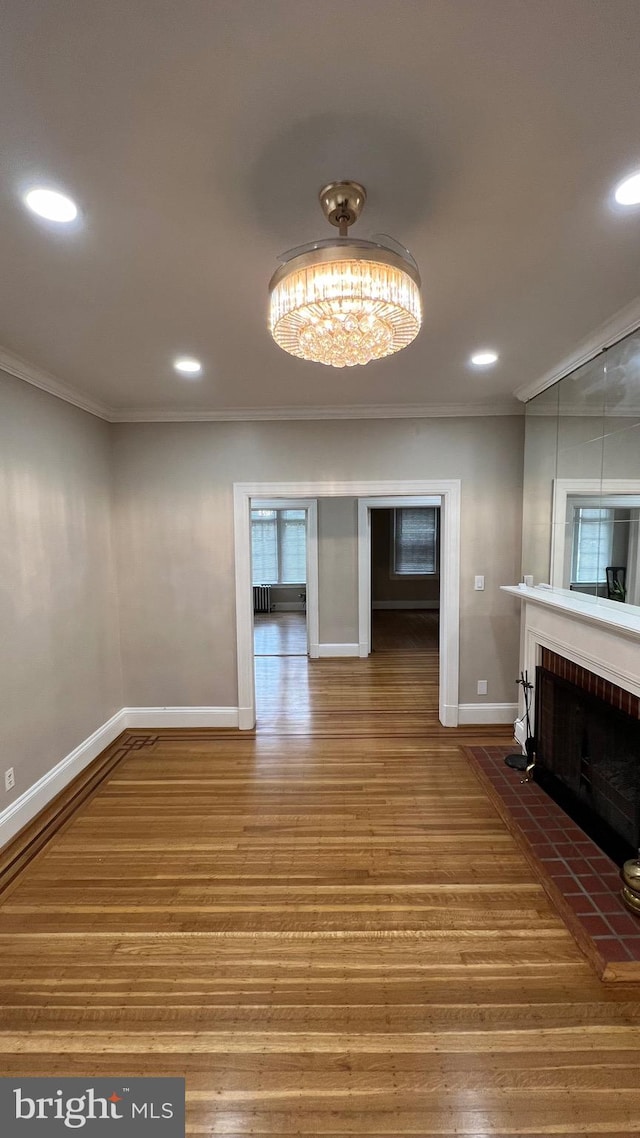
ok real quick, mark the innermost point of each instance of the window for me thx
(415, 542)
(592, 546)
(279, 547)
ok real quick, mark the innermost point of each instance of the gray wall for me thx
(59, 650)
(338, 570)
(174, 513)
(171, 489)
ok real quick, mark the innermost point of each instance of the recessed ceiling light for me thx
(628, 191)
(187, 365)
(484, 358)
(51, 205)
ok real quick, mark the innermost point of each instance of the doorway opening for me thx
(371, 494)
(279, 575)
(283, 563)
(405, 579)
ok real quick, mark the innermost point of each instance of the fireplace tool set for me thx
(525, 762)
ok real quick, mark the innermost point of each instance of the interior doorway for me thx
(279, 574)
(283, 545)
(371, 493)
(405, 579)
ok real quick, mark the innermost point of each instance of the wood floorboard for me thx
(324, 925)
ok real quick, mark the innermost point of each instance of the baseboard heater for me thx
(262, 598)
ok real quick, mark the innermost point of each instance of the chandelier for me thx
(345, 301)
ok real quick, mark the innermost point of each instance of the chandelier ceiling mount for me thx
(342, 203)
(343, 301)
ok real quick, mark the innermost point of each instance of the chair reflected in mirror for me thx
(616, 582)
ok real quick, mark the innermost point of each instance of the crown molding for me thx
(373, 411)
(30, 373)
(618, 326)
(22, 369)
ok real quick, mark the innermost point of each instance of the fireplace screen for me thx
(588, 760)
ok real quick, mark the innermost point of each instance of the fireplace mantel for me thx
(625, 619)
(597, 635)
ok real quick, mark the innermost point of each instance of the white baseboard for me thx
(405, 605)
(246, 718)
(449, 714)
(24, 808)
(180, 716)
(338, 650)
(487, 713)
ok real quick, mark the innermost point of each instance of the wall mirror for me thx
(581, 517)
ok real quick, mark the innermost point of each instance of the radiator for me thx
(262, 598)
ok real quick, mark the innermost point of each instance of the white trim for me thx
(327, 650)
(621, 324)
(487, 713)
(36, 376)
(446, 493)
(24, 808)
(564, 488)
(621, 619)
(507, 406)
(534, 640)
(449, 493)
(181, 716)
(405, 605)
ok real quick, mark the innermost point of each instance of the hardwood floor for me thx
(405, 630)
(325, 927)
(280, 633)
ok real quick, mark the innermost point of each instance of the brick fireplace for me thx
(588, 752)
(572, 646)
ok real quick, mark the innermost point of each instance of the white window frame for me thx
(279, 520)
(393, 572)
(587, 488)
(577, 525)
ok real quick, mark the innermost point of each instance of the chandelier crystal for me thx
(344, 302)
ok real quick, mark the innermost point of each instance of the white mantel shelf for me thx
(612, 615)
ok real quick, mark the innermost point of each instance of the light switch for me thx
(479, 585)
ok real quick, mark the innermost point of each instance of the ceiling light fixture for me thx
(484, 358)
(51, 205)
(345, 301)
(187, 365)
(627, 192)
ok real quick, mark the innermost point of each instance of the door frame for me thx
(311, 554)
(447, 497)
(448, 490)
(365, 506)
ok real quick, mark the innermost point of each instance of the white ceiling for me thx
(195, 135)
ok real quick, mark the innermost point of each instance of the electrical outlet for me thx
(9, 779)
(479, 584)
(482, 687)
